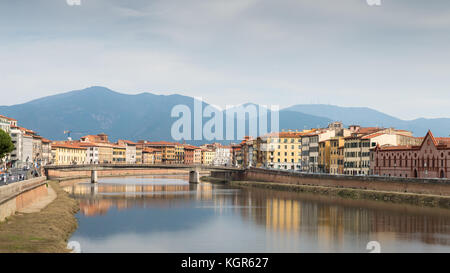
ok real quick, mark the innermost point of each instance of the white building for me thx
(27, 149)
(130, 153)
(92, 152)
(17, 155)
(222, 156)
(4, 124)
(23, 143)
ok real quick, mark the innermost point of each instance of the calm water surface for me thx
(167, 214)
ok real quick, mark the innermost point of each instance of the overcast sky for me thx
(394, 58)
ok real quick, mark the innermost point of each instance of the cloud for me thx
(282, 52)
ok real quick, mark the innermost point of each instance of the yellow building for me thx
(179, 153)
(68, 154)
(324, 156)
(139, 156)
(282, 150)
(337, 155)
(151, 156)
(198, 156)
(207, 156)
(105, 153)
(119, 154)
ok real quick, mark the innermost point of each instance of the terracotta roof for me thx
(118, 146)
(161, 143)
(46, 140)
(89, 144)
(95, 138)
(68, 146)
(369, 130)
(150, 150)
(443, 140)
(25, 130)
(127, 142)
(1, 116)
(394, 148)
(372, 135)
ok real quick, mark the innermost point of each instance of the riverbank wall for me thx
(45, 231)
(15, 196)
(425, 192)
(377, 183)
(355, 194)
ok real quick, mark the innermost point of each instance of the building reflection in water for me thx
(98, 199)
(332, 221)
(327, 221)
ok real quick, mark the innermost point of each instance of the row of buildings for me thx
(30, 148)
(354, 150)
(97, 149)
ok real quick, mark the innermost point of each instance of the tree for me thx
(6, 145)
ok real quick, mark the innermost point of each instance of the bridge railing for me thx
(139, 166)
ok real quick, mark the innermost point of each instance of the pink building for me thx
(431, 159)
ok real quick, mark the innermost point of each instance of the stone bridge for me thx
(55, 171)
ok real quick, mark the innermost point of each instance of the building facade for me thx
(222, 156)
(430, 159)
(281, 150)
(68, 154)
(119, 154)
(325, 156)
(357, 146)
(337, 155)
(207, 156)
(189, 154)
(92, 152)
(168, 150)
(130, 154)
(197, 156)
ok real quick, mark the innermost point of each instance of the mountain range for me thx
(148, 116)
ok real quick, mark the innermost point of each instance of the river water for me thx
(167, 214)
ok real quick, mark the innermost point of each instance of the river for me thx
(167, 214)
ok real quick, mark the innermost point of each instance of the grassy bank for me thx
(385, 196)
(46, 231)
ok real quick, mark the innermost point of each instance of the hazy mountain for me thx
(148, 116)
(368, 117)
(100, 110)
